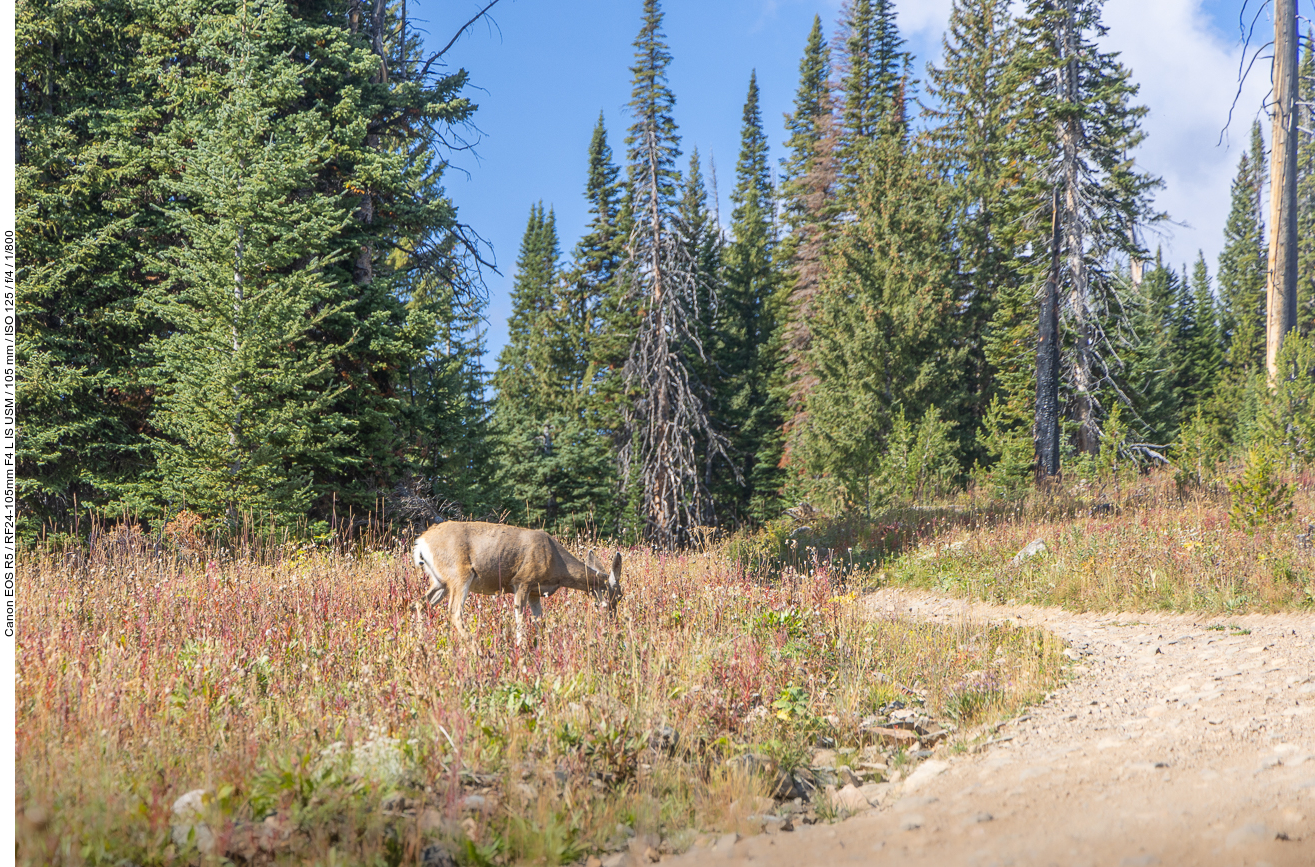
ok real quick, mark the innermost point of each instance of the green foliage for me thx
(920, 462)
(263, 254)
(791, 704)
(885, 337)
(1006, 440)
(1259, 497)
(246, 396)
(85, 209)
(744, 341)
(1287, 420)
(1242, 264)
(1198, 451)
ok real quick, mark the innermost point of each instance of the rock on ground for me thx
(1182, 739)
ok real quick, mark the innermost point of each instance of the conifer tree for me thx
(246, 399)
(1242, 263)
(810, 211)
(1306, 188)
(597, 262)
(554, 468)
(1203, 354)
(1082, 126)
(744, 345)
(975, 142)
(666, 417)
(884, 346)
(872, 67)
(88, 218)
(379, 254)
(1154, 362)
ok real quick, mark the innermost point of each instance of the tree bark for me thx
(1047, 359)
(1281, 288)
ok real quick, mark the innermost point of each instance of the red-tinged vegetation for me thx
(305, 691)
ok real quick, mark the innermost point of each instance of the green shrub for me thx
(1259, 497)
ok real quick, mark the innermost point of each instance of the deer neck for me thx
(579, 576)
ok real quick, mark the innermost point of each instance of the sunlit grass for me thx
(304, 691)
(1144, 547)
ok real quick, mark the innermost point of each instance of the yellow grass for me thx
(304, 687)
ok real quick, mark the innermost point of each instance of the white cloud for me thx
(1188, 73)
(1188, 77)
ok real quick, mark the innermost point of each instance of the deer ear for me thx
(616, 567)
(591, 560)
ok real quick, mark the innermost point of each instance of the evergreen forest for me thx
(244, 292)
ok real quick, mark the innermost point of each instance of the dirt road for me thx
(1176, 744)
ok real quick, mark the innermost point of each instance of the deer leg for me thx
(522, 598)
(436, 593)
(457, 602)
(536, 606)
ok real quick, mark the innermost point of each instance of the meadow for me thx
(1141, 545)
(329, 720)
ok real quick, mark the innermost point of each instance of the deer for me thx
(461, 557)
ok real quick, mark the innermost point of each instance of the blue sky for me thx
(543, 70)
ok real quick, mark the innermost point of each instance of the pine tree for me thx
(872, 67)
(811, 212)
(1242, 264)
(1306, 188)
(88, 218)
(374, 278)
(884, 343)
(1081, 127)
(245, 403)
(974, 143)
(597, 262)
(1154, 361)
(1202, 349)
(554, 469)
(744, 345)
(666, 418)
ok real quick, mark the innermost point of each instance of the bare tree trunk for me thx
(1047, 359)
(1085, 405)
(1281, 289)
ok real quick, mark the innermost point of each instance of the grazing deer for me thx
(461, 557)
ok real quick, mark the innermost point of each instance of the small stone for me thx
(875, 793)
(189, 828)
(475, 804)
(614, 860)
(850, 799)
(824, 759)
(983, 816)
(37, 817)
(1034, 548)
(846, 776)
(663, 739)
(925, 773)
(430, 820)
(593, 861)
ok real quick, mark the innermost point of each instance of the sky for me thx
(542, 71)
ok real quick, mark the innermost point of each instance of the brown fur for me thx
(475, 557)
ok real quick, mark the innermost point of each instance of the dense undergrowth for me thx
(1132, 543)
(301, 689)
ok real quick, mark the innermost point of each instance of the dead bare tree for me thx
(667, 419)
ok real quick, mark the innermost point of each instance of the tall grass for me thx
(1143, 545)
(303, 690)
